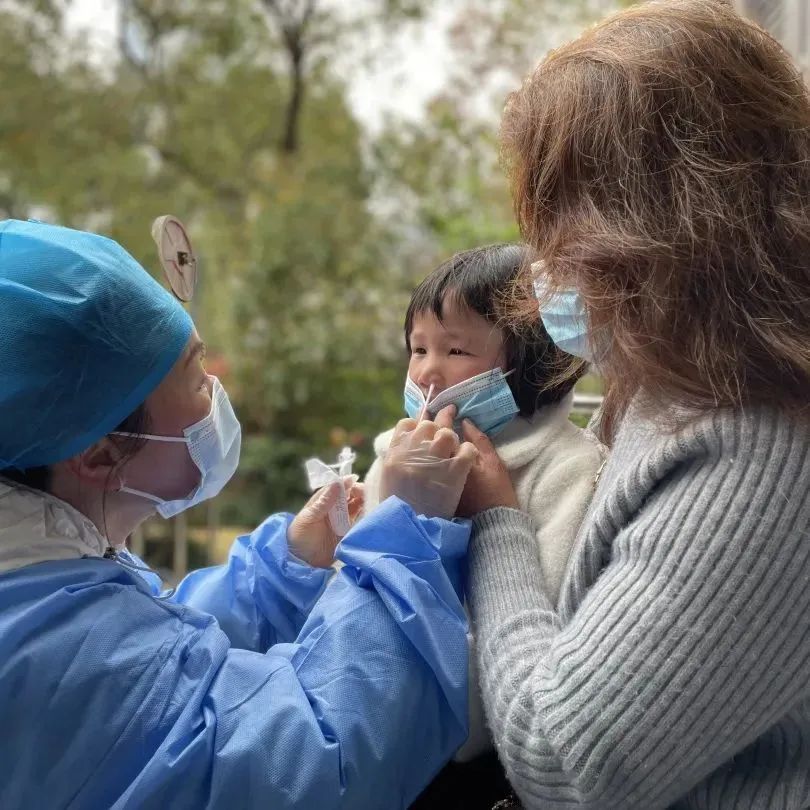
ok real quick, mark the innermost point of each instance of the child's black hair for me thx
(480, 279)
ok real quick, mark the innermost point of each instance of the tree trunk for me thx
(292, 118)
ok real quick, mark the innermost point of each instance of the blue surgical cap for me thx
(86, 334)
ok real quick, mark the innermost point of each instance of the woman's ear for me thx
(97, 466)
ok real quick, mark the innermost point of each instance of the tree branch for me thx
(294, 35)
(124, 45)
(226, 191)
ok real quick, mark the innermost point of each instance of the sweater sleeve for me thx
(692, 641)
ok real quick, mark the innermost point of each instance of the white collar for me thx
(36, 527)
(523, 438)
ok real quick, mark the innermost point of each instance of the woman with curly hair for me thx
(661, 172)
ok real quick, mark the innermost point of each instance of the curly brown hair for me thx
(660, 164)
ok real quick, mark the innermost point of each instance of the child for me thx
(452, 335)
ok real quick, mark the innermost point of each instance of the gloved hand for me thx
(426, 466)
(310, 536)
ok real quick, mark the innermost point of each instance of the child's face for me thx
(447, 352)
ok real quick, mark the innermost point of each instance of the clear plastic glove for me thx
(426, 465)
(310, 536)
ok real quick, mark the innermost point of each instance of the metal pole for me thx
(180, 546)
(587, 403)
(213, 529)
(137, 542)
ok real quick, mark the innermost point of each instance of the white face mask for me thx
(213, 444)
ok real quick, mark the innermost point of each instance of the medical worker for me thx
(252, 684)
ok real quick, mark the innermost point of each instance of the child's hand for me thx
(310, 535)
(488, 484)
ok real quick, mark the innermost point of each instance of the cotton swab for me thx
(423, 412)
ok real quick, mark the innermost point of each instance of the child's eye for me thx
(417, 350)
(459, 352)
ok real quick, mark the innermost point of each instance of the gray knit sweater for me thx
(676, 670)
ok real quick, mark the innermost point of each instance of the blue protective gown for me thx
(253, 685)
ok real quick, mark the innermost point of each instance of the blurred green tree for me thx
(228, 114)
(447, 166)
(233, 114)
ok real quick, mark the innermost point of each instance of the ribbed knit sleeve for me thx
(683, 635)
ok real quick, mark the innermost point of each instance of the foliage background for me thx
(311, 225)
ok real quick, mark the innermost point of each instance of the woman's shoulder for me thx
(772, 444)
(78, 615)
(757, 447)
(757, 426)
(63, 594)
(86, 640)
(721, 432)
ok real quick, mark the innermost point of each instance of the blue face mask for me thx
(566, 320)
(485, 399)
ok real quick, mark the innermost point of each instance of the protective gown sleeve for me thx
(123, 700)
(261, 595)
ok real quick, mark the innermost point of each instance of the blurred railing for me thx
(587, 403)
(787, 20)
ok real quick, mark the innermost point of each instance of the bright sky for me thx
(414, 70)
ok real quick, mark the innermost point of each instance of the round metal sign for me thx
(176, 255)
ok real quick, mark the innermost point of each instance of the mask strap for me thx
(150, 437)
(139, 493)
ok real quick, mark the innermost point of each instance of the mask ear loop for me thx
(175, 439)
(168, 439)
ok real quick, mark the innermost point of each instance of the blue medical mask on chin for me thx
(565, 319)
(213, 444)
(485, 399)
